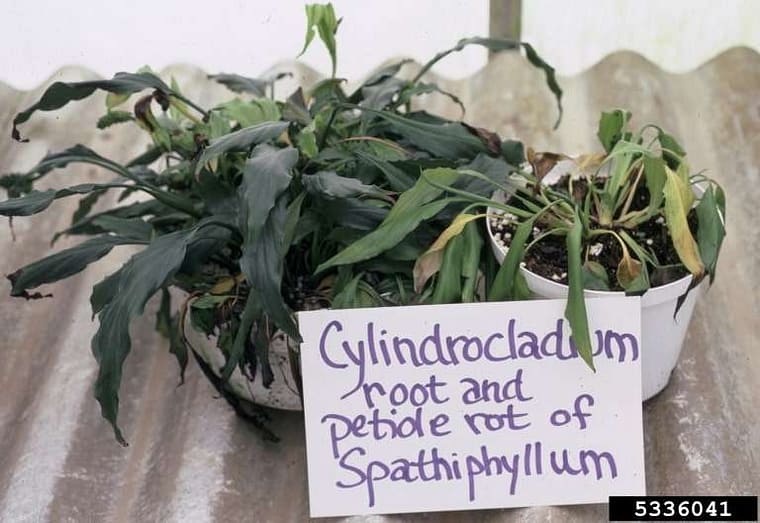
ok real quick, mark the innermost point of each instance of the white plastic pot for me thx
(282, 394)
(662, 335)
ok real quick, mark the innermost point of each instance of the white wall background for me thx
(247, 36)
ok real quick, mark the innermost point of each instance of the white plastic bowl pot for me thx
(282, 394)
(662, 335)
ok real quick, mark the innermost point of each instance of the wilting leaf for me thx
(61, 93)
(490, 139)
(575, 310)
(143, 275)
(542, 163)
(263, 204)
(595, 276)
(410, 210)
(711, 231)
(241, 140)
(513, 152)
(498, 45)
(63, 264)
(429, 263)
(611, 126)
(676, 210)
(628, 270)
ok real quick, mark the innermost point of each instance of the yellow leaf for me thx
(430, 262)
(677, 206)
(225, 285)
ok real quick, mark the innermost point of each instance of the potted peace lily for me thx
(256, 208)
(632, 220)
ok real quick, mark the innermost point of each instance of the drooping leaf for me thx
(241, 140)
(595, 276)
(143, 275)
(422, 88)
(263, 197)
(63, 264)
(497, 45)
(167, 324)
(677, 207)
(295, 109)
(61, 93)
(575, 310)
(399, 180)
(710, 232)
(37, 201)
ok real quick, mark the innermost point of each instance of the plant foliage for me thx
(260, 207)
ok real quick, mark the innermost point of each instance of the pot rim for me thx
(652, 296)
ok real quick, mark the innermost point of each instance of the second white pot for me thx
(662, 334)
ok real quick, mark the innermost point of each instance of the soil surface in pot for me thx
(548, 256)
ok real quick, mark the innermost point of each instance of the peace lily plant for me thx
(257, 208)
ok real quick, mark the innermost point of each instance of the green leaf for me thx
(710, 232)
(250, 113)
(63, 264)
(421, 88)
(113, 118)
(61, 93)
(37, 201)
(322, 17)
(448, 285)
(473, 246)
(330, 185)
(575, 310)
(167, 324)
(132, 228)
(263, 197)
(244, 84)
(611, 127)
(410, 210)
(140, 278)
(307, 142)
(397, 178)
(449, 140)
(241, 140)
(654, 171)
(509, 283)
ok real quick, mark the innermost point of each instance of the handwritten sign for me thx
(452, 407)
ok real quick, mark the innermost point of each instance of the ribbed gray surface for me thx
(191, 459)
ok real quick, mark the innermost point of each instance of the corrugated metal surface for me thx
(191, 459)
